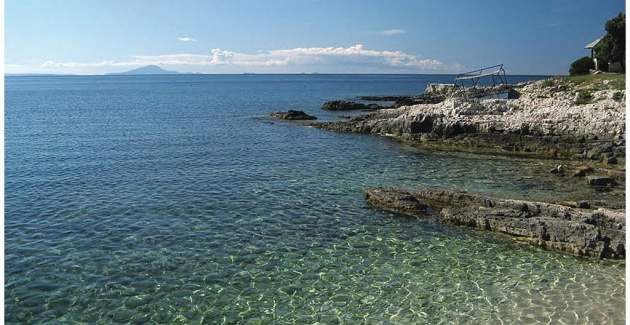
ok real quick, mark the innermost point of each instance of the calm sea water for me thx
(174, 200)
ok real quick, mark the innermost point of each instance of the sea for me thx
(174, 199)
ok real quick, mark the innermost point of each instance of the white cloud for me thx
(354, 58)
(186, 39)
(392, 32)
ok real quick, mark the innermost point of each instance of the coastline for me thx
(579, 124)
(236, 207)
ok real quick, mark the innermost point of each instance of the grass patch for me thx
(599, 81)
(583, 97)
(618, 96)
(547, 83)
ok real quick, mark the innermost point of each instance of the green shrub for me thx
(547, 83)
(581, 66)
(583, 97)
(618, 96)
(612, 47)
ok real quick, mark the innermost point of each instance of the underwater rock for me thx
(558, 170)
(582, 171)
(597, 233)
(609, 160)
(600, 181)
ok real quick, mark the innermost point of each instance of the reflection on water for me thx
(183, 206)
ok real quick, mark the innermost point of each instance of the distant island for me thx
(149, 69)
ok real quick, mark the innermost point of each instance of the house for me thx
(591, 46)
(612, 66)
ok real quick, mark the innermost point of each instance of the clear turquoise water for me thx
(173, 199)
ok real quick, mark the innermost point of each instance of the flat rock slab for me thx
(597, 233)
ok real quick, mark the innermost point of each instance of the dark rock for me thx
(582, 204)
(343, 105)
(582, 171)
(424, 125)
(423, 99)
(560, 169)
(620, 151)
(292, 115)
(577, 204)
(599, 233)
(609, 160)
(600, 181)
(407, 100)
(593, 154)
(384, 98)
(618, 175)
(513, 94)
(396, 200)
(596, 152)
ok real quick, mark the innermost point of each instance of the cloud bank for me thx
(391, 32)
(353, 59)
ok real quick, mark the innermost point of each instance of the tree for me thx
(612, 47)
(581, 66)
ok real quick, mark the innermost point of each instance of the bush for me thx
(583, 97)
(547, 83)
(612, 47)
(581, 66)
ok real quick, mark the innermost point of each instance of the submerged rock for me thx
(598, 233)
(582, 171)
(292, 115)
(558, 170)
(609, 160)
(600, 181)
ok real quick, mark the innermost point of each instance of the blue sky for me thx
(93, 37)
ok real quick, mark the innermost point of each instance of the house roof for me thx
(593, 43)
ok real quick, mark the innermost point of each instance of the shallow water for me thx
(172, 199)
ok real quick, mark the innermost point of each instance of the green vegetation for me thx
(618, 96)
(582, 65)
(612, 47)
(583, 97)
(547, 83)
(598, 81)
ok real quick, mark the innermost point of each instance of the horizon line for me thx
(242, 73)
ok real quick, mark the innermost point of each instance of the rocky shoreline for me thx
(582, 232)
(544, 121)
(550, 119)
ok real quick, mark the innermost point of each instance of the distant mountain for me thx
(149, 69)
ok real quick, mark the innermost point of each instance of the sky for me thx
(291, 36)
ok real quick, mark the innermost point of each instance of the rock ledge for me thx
(583, 232)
